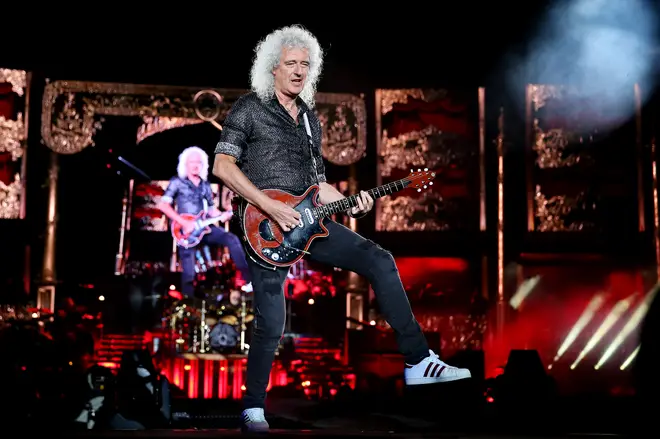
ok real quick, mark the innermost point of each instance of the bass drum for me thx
(224, 337)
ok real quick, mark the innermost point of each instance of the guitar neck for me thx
(209, 221)
(348, 203)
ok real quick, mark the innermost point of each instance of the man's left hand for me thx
(365, 204)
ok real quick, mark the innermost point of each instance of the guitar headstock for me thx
(421, 179)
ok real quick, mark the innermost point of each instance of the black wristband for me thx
(357, 217)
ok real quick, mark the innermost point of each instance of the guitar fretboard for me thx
(349, 202)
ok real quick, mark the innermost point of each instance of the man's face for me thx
(194, 165)
(291, 73)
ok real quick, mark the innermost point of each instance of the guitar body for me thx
(269, 242)
(195, 237)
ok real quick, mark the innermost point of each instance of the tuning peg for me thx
(419, 170)
(424, 186)
(430, 183)
(412, 170)
(419, 190)
(426, 169)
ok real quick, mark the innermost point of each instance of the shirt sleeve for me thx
(209, 195)
(171, 191)
(235, 130)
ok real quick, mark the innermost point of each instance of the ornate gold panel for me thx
(72, 112)
(13, 135)
(435, 129)
(578, 163)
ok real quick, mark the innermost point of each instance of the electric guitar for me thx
(188, 240)
(266, 240)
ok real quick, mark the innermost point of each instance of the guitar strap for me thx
(311, 145)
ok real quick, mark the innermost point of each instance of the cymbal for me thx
(229, 319)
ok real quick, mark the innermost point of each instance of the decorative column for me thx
(355, 283)
(46, 292)
(501, 304)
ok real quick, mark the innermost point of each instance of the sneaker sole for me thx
(432, 380)
(246, 429)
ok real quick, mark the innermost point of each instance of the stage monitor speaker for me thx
(525, 364)
(525, 383)
(143, 393)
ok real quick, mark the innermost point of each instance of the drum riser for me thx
(209, 376)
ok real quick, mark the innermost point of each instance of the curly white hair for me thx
(267, 56)
(183, 158)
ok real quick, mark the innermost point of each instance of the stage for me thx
(328, 433)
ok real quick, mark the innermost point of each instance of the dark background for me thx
(464, 44)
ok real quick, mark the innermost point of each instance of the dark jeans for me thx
(217, 236)
(349, 251)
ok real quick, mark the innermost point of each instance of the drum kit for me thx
(218, 319)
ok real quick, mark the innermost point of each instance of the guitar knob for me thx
(276, 256)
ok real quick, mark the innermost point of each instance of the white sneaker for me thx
(433, 370)
(254, 421)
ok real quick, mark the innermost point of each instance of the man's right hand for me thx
(286, 217)
(187, 226)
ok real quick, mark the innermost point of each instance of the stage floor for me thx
(295, 417)
(230, 433)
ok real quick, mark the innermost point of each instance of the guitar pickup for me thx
(310, 217)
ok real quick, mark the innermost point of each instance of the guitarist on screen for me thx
(191, 193)
(271, 139)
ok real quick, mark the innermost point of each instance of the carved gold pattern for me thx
(12, 136)
(344, 124)
(550, 147)
(542, 93)
(10, 198)
(12, 140)
(401, 96)
(71, 112)
(429, 148)
(406, 214)
(551, 213)
(17, 79)
(155, 125)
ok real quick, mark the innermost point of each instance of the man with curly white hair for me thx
(191, 193)
(273, 134)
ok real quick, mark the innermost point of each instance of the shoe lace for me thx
(436, 359)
